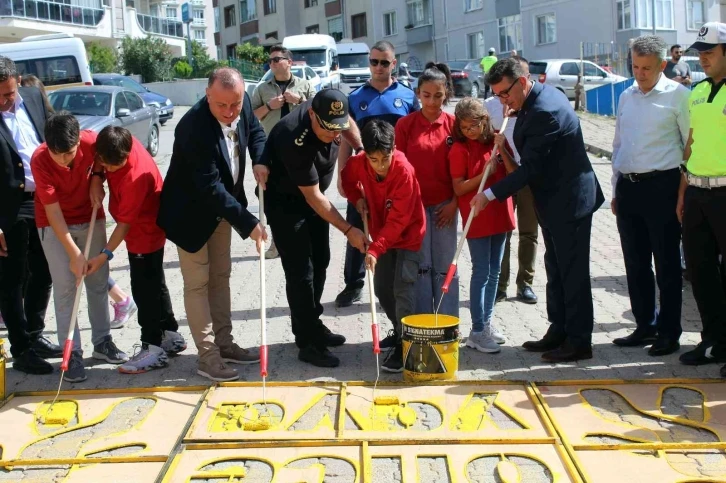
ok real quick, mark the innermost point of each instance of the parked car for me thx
(697, 73)
(460, 77)
(476, 77)
(162, 103)
(96, 107)
(301, 71)
(562, 74)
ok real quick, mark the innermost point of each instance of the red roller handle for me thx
(67, 349)
(263, 361)
(376, 347)
(449, 277)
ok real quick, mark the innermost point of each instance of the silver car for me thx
(562, 74)
(96, 107)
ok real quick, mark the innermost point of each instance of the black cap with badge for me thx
(331, 107)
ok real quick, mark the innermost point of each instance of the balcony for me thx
(160, 26)
(199, 22)
(419, 34)
(52, 12)
(202, 42)
(197, 3)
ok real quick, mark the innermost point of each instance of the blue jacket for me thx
(555, 164)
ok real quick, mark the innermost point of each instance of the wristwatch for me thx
(108, 253)
(100, 174)
(267, 105)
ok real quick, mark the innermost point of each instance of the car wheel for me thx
(475, 91)
(153, 146)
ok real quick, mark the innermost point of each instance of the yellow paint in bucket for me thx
(430, 347)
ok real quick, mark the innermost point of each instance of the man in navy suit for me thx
(202, 200)
(566, 193)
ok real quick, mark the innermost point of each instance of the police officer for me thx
(702, 197)
(301, 154)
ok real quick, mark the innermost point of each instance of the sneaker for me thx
(2, 323)
(107, 351)
(216, 370)
(389, 341)
(702, 354)
(318, 356)
(496, 335)
(394, 360)
(331, 339)
(237, 355)
(122, 312)
(172, 342)
(272, 251)
(483, 342)
(349, 295)
(501, 295)
(148, 358)
(76, 372)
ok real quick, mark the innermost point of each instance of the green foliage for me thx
(148, 56)
(182, 70)
(101, 58)
(251, 53)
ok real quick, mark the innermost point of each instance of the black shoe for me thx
(318, 356)
(527, 295)
(702, 354)
(389, 341)
(664, 346)
(543, 345)
(501, 295)
(394, 360)
(30, 363)
(723, 371)
(331, 339)
(349, 295)
(638, 337)
(567, 353)
(46, 349)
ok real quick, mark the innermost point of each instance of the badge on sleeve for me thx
(449, 141)
(398, 102)
(363, 106)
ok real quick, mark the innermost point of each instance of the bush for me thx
(148, 56)
(183, 70)
(101, 58)
(251, 53)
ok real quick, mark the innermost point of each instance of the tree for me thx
(148, 56)
(101, 58)
(183, 70)
(251, 53)
(202, 64)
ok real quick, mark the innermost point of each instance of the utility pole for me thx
(654, 29)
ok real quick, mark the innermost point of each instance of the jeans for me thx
(486, 263)
(437, 252)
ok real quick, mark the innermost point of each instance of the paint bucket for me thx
(430, 347)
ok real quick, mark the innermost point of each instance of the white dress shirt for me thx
(26, 139)
(231, 145)
(651, 130)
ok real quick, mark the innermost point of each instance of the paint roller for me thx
(262, 424)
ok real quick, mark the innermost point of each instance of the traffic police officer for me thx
(301, 152)
(702, 197)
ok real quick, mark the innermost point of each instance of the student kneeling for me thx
(382, 185)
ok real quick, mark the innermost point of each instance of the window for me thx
(313, 29)
(590, 70)
(358, 25)
(247, 10)
(625, 15)
(170, 12)
(475, 44)
(232, 51)
(569, 68)
(419, 12)
(229, 19)
(135, 102)
(696, 14)
(271, 35)
(121, 102)
(663, 14)
(389, 24)
(270, 6)
(471, 5)
(52, 71)
(546, 29)
(216, 24)
(310, 73)
(198, 13)
(335, 28)
(510, 33)
(311, 3)
(199, 34)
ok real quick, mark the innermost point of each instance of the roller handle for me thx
(263, 361)
(67, 349)
(449, 277)
(376, 346)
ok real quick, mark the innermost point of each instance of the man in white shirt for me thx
(651, 132)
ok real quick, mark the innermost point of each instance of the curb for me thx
(597, 151)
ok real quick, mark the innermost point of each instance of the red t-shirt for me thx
(134, 196)
(426, 146)
(68, 186)
(467, 160)
(397, 218)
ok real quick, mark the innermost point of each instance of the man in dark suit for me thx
(24, 277)
(202, 200)
(566, 194)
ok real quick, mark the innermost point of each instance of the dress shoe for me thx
(31, 363)
(637, 338)
(567, 353)
(46, 349)
(318, 356)
(703, 353)
(543, 345)
(723, 371)
(501, 295)
(527, 295)
(331, 339)
(663, 346)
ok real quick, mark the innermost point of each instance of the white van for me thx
(353, 59)
(58, 60)
(319, 52)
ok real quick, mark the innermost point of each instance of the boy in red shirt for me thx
(62, 170)
(134, 183)
(396, 221)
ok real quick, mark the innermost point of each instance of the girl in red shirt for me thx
(425, 137)
(471, 153)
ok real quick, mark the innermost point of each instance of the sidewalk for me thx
(598, 132)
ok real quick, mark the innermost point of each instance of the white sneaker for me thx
(483, 342)
(272, 251)
(173, 342)
(122, 312)
(148, 358)
(496, 335)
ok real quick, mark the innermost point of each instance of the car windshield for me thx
(313, 58)
(457, 65)
(353, 61)
(695, 65)
(81, 103)
(124, 82)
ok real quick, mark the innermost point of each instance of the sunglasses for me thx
(275, 60)
(375, 62)
(505, 93)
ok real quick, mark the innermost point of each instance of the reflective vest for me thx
(708, 122)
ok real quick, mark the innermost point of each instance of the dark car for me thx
(460, 76)
(162, 104)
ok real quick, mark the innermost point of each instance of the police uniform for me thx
(296, 157)
(704, 210)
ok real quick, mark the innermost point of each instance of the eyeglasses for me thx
(505, 93)
(473, 127)
(275, 60)
(375, 62)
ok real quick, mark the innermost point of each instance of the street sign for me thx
(186, 13)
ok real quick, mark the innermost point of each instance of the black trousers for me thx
(354, 270)
(301, 237)
(649, 229)
(148, 286)
(569, 293)
(394, 283)
(704, 239)
(25, 285)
